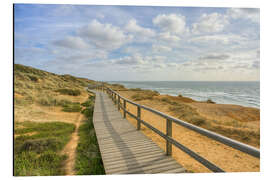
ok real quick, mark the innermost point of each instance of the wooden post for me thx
(118, 103)
(168, 133)
(138, 117)
(125, 107)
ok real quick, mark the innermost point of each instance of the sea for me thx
(239, 93)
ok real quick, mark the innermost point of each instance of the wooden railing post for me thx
(118, 103)
(125, 107)
(169, 133)
(138, 117)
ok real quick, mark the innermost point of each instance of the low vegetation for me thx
(72, 107)
(71, 92)
(43, 96)
(88, 158)
(145, 94)
(210, 101)
(37, 147)
(34, 86)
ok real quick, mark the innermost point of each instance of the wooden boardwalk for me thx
(125, 150)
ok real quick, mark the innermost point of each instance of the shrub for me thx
(71, 92)
(40, 145)
(47, 101)
(33, 78)
(198, 121)
(144, 94)
(135, 89)
(210, 101)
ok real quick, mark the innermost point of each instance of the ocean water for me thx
(240, 93)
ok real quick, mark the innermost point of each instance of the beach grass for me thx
(88, 157)
(37, 148)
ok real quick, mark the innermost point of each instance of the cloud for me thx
(130, 60)
(252, 14)
(210, 23)
(218, 39)
(215, 57)
(104, 35)
(133, 27)
(161, 48)
(173, 23)
(168, 37)
(72, 43)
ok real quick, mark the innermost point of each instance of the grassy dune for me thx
(46, 108)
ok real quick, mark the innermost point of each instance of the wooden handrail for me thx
(168, 136)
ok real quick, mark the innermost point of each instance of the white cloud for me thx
(173, 23)
(218, 39)
(104, 35)
(168, 37)
(136, 59)
(72, 43)
(133, 27)
(251, 14)
(210, 23)
(215, 56)
(161, 48)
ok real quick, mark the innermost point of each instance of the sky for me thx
(139, 43)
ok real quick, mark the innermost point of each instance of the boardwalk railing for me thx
(116, 97)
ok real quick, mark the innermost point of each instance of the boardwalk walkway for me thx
(125, 150)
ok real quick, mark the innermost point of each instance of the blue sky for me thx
(139, 42)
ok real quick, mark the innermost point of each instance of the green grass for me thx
(38, 154)
(89, 102)
(72, 107)
(88, 158)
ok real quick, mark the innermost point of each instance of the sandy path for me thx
(70, 148)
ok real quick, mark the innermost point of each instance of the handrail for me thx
(169, 140)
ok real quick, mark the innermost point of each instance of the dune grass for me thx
(71, 92)
(88, 158)
(144, 94)
(37, 147)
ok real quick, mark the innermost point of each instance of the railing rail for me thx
(116, 97)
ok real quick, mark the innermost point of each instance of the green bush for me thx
(71, 92)
(144, 94)
(198, 121)
(38, 154)
(33, 78)
(210, 101)
(88, 158)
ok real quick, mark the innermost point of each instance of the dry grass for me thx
(43, 97)
(197, 113)
(39, 95)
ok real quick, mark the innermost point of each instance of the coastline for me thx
(243, 93)
(233, 121)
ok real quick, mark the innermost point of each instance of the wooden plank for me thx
(125, 150)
